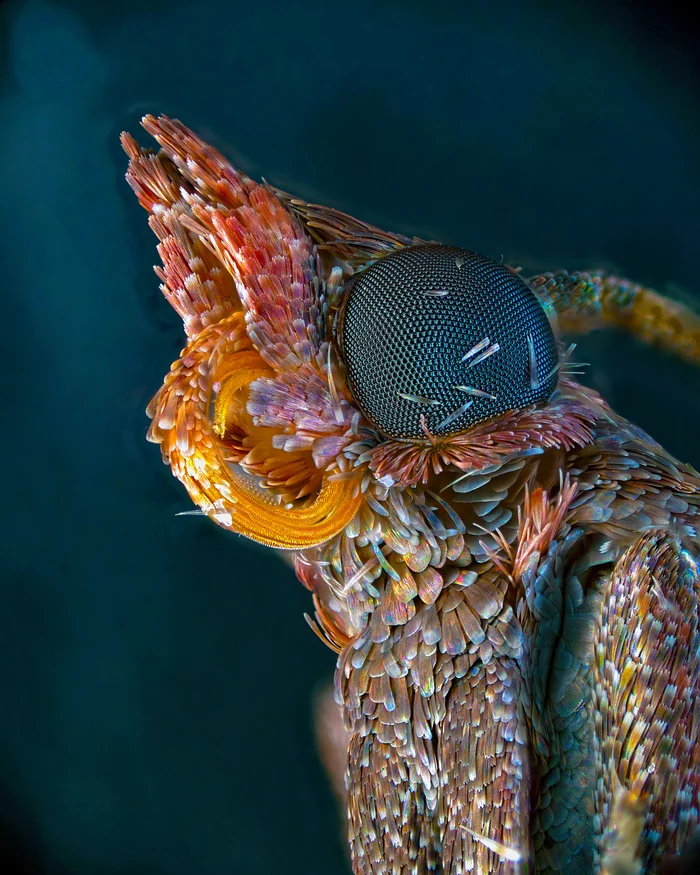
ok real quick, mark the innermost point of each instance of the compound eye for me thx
(446, 334)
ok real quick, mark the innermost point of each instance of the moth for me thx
(506, 568)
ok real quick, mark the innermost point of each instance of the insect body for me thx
(506, 568)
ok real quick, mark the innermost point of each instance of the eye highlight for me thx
(442, 336)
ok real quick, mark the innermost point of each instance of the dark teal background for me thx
(156, 672)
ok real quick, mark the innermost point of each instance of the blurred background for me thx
(156, 673)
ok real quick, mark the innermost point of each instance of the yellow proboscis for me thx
(241, 369)
(256, 517)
